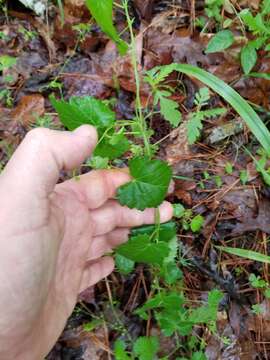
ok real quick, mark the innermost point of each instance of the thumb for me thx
(36, 164)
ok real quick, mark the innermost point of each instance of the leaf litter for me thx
(52, 57)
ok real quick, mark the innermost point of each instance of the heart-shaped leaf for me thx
(141, 249)
(151, 179)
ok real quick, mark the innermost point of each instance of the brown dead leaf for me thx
(183, 196)
(263, 319)
(144, 8)
(81, 344)
(240, 204)
(261, 222)
(29, 109)
(178, 147)
(248, 3)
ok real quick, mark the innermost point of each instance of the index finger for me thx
(97, 186)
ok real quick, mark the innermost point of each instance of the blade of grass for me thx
(248, 254)
(253, 121)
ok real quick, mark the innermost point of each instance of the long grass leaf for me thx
(246, 112)
(248, 254)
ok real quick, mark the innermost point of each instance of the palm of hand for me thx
(54, 237)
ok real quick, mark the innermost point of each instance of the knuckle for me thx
(38, 136)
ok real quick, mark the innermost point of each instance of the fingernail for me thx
(85, 131)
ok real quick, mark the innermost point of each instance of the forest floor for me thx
(67, 54)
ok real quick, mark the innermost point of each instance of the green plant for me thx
(195, 118)
(4, 8)
(7, 62)
(257, 309)
(161, 95)
(102, 12)
(248, 254)
(255, 124)
(44, 121)
(259, 26)
(27, 34)
(82, 29)
(229, 168)
(213, 9)
(157, 245)
(220, 41)
(5, 95)
(243, 176)
(257, 282)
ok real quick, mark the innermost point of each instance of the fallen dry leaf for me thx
(29, 109)
(144, 8)
(261, 222)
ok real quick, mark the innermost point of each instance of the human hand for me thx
(53, 237)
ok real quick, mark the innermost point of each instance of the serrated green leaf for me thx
(248, 254)
(221, 41)
(243, 176)
(98, 162)
(112, 150)
(229, 168)
(169, 311)
(7, 62)
(202, 96)
(102, 11)
(169, 109)
(167, 231)
(208, 312)
(156, 76)
(84, 110)
(171, 301)
(171, 273)
(141, 249)
(197, 223)
(146, 348)
(194, 127)
(255, 24)
(248, 58)
(151, 179)
(198, 355)
(120, 351)
(123, 264)
(178, 210)
(173, 246)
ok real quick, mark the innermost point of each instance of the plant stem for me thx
(139, 113)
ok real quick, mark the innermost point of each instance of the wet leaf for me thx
(151, 179)
(221, 41)
(248, 58)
